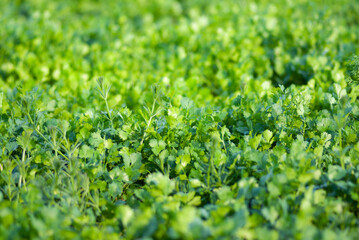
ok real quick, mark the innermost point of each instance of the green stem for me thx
(341, 149)
(209, 175)
(109, 112)
(340, 139)
(162, 165)
(215, 171)
(22, 162)
(9, 191)
(145, 133)
(23, 155)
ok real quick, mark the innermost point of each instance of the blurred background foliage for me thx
(205, 50)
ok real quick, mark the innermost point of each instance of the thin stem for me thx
(340, 139)
(9, 191)
(22, 178)
(23, 155)
(109, 112)
(162, 165)
(215, 171)
(224, 144)
(209, 175)
(145, 133)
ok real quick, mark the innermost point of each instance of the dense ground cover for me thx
(213, 119)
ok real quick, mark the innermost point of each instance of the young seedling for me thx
(25, 142)
(104, 90)
(151, 112)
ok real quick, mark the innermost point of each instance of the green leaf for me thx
(157, 146)
(186, 103)
(276, 110)
(254, 142)
(95, 139)
(267, 135)
(336, 173)
(115, 189)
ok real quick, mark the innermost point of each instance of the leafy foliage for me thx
(179, 119)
